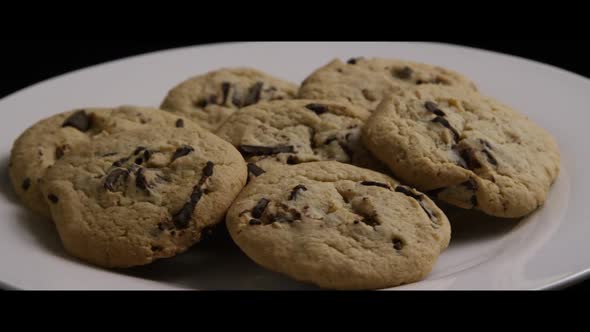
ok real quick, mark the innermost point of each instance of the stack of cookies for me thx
(335, 182)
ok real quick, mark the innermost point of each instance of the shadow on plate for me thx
(5, 183)
(475, 226)
(216, 263)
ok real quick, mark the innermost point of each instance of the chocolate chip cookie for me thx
(38, 147)
(210, 98)
(338, 226)
(465, 148)
(365, 82)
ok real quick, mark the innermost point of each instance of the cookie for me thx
(469, 150)
(133, 197)
(365, 82)
(211, 98)
(38, 147)
(298, 131)
(338, 226)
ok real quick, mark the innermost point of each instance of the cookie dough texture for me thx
(366, 81)
(211, 98)
(48, 140)
(298, 131)
(133, 197)
(338, 226)
(469, 150)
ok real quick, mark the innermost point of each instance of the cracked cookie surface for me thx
(298, 131)
(338, 226)
(48, 140)
(469, 150)
(132, 197)
(210, 98)
(366, 81)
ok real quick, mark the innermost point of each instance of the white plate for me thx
(547, 249)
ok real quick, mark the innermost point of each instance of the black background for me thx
(25, 62)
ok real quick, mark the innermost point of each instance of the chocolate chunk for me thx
(397, 244)
(257, 171)
(330, 140)
(139, 161)
(54, 199)
(254, 222)
(224, 92)
(377, 184)
(296, 191)
(140, 180)
(471, 161)
(486, 144)
(432, 107)
(408, 192)
(120, 162)
(490, 157)
(79, 120)
(208, 169)
(293, 160)
(138, 150)
(446, 124)
(317, 108)
(179, 123)
(109, 154)
(356, 222)
(353, 61)
(259, 208)
(420, 82)
(182, 218)
(370, 220)
(404, 73)
(147, 154)
(59, 152)
(470, 185)
(265, 150)
(182, 151)
(156, 248)
(253, 95)
(111, 180)
(202, 103)
(26, 184)
(290, 216)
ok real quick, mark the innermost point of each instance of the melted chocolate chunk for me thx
(486, 144)
(317, 108)
(109, 154)
(330, 140)
(147, 154)
(293, 160)
(79, 120)
(120, 162)
(201, 103)
(26, 184)
(408, 192)
(404, 73)
(298, 188)
(253, 95)
(254, 222)
(182, 218)
(289, 217)
(224, 92)
(59, 152)
(265, 150)
(469, 158)
(111, 180)
(179, 123)
(353, 61)
(54, 199)
(377, 184)
(259, 208)
(446, 124)
(490, 157)
(140, 180)
(138, 161)
(397, 244)
(182, 151)
(257, 171)
(432, 107)
(138, 150)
